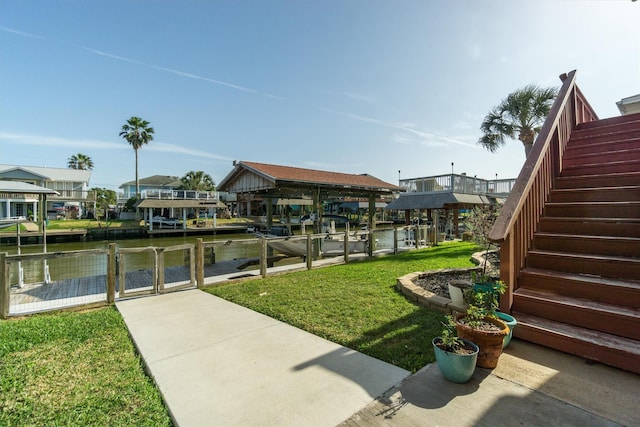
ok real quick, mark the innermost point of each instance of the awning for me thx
(24, 188)
(436, 200)
(212, 204)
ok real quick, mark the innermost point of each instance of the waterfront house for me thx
(20, 201)
(70, 188)
(154, 183)
(447, 196)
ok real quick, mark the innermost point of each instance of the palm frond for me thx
(521, 113)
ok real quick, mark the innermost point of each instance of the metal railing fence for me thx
(32, 283)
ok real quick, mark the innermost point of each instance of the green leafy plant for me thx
(479, 222)
(483, 303)
(130, 204)
(449, 339)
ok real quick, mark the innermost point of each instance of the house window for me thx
(19, 209)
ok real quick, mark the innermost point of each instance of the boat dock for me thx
(79, 291)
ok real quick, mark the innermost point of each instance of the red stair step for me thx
(594, 315)
(609, 349)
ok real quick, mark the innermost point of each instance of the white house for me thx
(70, 186)
(21, 200)
(629, 105)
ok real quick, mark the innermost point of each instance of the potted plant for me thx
(511, 323)
(456, 356)
(479, 222)
(481, 325)
(493, 289)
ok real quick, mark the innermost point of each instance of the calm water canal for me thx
(383, 236)
(27, 248)
(68, 268)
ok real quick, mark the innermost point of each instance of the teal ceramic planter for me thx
(511, 323)
(485, 287)
(457, 368)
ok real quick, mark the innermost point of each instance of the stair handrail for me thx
(520, 214)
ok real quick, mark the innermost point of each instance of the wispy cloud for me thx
(153, 66)
(179, 149)
(359, 97)
(423, 137)
(178, 72)
(20, 33)
(52, 141)
(91, 144)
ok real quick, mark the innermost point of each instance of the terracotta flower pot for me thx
(489, 342)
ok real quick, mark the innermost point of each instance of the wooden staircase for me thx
(579, 290)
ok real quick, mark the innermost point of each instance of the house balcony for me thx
(461, 184)
(180, 195)
(71, 195)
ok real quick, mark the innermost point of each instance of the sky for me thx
(395, 89)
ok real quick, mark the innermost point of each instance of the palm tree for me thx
(520, 115)
(137, 132)
(80, 161)
(198, 181)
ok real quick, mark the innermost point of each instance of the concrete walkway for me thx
(217, 363)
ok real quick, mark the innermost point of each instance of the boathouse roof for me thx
(156, 181)
(262, 178)
(451, 191)
(438, 201)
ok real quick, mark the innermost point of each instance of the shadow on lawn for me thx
(405, 341)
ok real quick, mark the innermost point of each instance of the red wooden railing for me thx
(521, 212)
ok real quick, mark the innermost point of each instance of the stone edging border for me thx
(419, 295)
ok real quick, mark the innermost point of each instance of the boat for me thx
(163, 221)
(332, 244)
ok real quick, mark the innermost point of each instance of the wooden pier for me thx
(42, 296)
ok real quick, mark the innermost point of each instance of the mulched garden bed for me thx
(437, 281)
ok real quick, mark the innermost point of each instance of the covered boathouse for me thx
(445, 196)
(251, 180)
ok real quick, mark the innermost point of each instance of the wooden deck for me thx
(36, 297)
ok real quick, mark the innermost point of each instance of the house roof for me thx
(50, 174)
(156, 181)
(629, 105)
(437, 200)
(252, 177)
(23, 187)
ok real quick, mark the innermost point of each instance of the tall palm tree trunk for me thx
(137, 180)
(527, 136)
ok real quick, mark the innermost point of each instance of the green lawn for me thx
(75, 224)
(81, 368)
(72, 369)
(357, 304)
